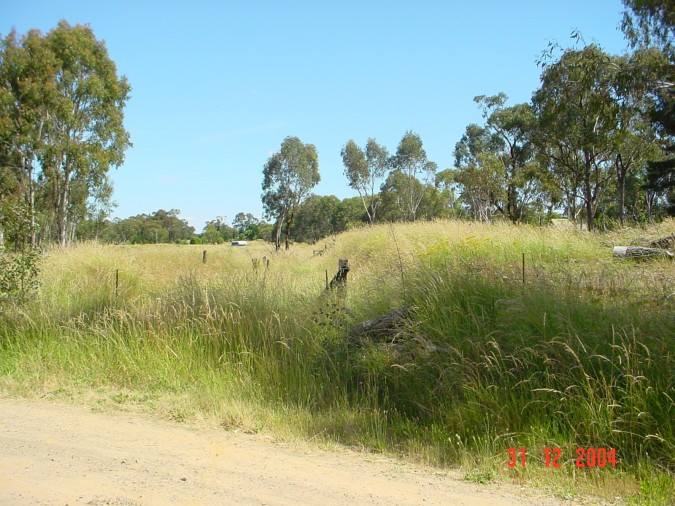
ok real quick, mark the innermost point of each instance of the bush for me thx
(19, 275)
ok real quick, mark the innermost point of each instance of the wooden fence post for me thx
(204, 257)
(340, 278)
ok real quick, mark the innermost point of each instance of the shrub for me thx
(19, 275)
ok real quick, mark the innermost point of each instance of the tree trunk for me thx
(62, 213)
(621, 181)
(72, 230)
(277, 232)
(572, 208)
(371, 215)
(373, 209)
(30, 197)
(288, 232)
(588, 196)
(622, 199)
(62, 226)
(31, 212)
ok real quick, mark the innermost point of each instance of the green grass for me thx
(579, 355)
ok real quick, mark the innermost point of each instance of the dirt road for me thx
(57, 454)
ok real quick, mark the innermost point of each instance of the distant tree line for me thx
(595, 144)
(159, 227)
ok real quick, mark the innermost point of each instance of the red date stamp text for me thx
(585, 457)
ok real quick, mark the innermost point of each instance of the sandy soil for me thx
(58, 454)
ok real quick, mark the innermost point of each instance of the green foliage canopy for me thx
(365, 171)
(62, 109)
(288, 177)
(411, 162)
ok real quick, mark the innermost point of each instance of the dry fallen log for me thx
(640, 253)
(383, 328)
(667, 242)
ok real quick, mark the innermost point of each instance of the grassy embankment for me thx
(579, 355)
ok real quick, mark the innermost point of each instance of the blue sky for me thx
(218, 85)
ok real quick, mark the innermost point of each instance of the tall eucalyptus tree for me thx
(576, 122)
(365, 172)
(62, 130)
(288, 177)
(410, 161)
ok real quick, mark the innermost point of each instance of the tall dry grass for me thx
(580, 354)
